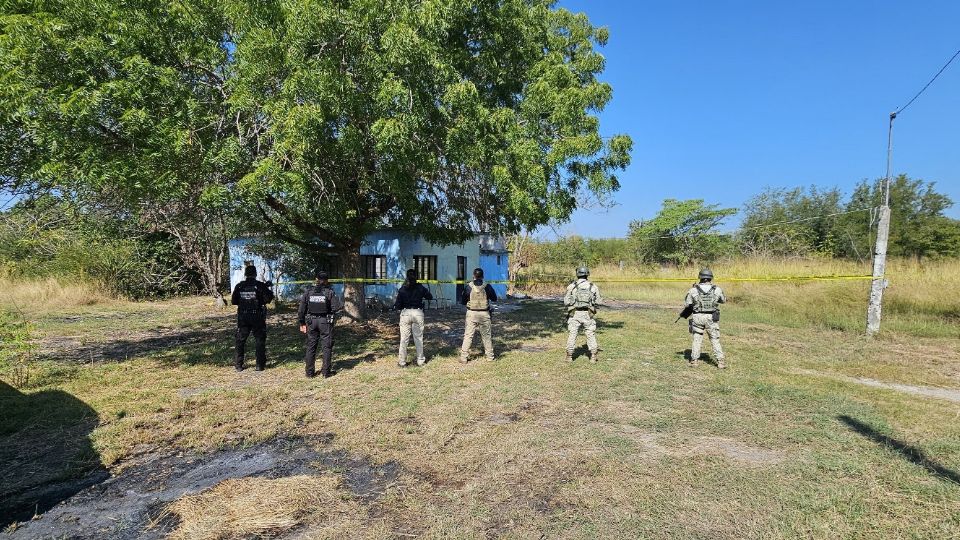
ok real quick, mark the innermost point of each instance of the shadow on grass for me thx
(908, 452)
(211, 341)
(45, 452)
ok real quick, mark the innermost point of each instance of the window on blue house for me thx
(498, 260)
(426, 266)
(374, 266)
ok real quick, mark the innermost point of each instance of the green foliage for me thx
(319, 121)
(16, 347)
(52, 237)
(683, 232)
(573, 251)
(918, 227)
(781, 222)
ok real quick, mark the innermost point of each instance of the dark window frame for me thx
(426, 267)
(374, 266)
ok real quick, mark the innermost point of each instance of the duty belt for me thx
(581, 309)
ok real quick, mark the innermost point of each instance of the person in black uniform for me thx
(251, 298)
(318, 307)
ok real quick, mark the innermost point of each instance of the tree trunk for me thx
(353, 297)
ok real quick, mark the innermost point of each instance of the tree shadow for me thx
(45, 451)
(211, 341)
(908, 452)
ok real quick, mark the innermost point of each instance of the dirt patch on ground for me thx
(950, 394)
(656, 444)
(131, 505)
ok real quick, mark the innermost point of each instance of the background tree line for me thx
(811, 222)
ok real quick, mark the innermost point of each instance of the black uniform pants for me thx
(256, 324)
(319, 332)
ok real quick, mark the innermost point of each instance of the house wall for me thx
(399, 250)
(266, 270)
(496, 272)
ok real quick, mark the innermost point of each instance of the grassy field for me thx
(802, 437)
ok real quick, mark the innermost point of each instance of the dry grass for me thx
(914, 303)
(258, 507)
(51, 293)
(637, 446)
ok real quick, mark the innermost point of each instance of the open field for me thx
(813, 431)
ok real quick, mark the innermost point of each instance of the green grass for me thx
(638, 446)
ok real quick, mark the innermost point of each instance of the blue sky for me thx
(724, 98)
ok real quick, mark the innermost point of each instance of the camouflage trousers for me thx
(589, 324)
(477, 321)
(701, 323)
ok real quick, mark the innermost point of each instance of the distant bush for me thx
(48, 236)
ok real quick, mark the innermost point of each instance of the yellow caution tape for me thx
(537, 280)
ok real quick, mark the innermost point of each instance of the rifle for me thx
(684, 313)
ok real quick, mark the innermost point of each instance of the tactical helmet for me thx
(250, 271)
(706, 273)
(582, 272)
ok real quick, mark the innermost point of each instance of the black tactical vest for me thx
(318, 301)
(249, 301)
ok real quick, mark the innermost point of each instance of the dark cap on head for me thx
(250, 271)
(412, 275)
(478, 273)
(322, 275)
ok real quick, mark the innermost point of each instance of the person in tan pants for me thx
(410, 299)
(477, 296)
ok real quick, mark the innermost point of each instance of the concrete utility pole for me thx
(879, 283)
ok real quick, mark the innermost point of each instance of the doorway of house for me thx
(461, 276)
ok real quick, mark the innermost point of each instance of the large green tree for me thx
(918, 226)
(317, 121)
(683, 232)
(789, 222)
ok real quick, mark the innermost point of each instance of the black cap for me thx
(478, 273)
(322, 275)
(250, 271)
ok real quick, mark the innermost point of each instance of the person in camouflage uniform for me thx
(582, 299)
(704, 299)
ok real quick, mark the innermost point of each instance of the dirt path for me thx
(950, 394)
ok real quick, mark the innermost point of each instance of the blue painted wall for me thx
(495, 272)
(399, 250)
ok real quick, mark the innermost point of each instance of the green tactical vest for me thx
(478, 298)
(706, 302)
(583, 295)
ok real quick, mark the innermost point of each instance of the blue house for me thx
(387, 254)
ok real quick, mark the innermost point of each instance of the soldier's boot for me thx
(463, 358)
(238, 364)
(260, 367)
(721, 364)
(422, 361)
(569, 356)
(594, 356)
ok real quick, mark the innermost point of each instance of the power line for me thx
(767, 225)
(922, 90)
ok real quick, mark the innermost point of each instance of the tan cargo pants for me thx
(477, 320)
(701, 323)
(589, 324)
(411, 324)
